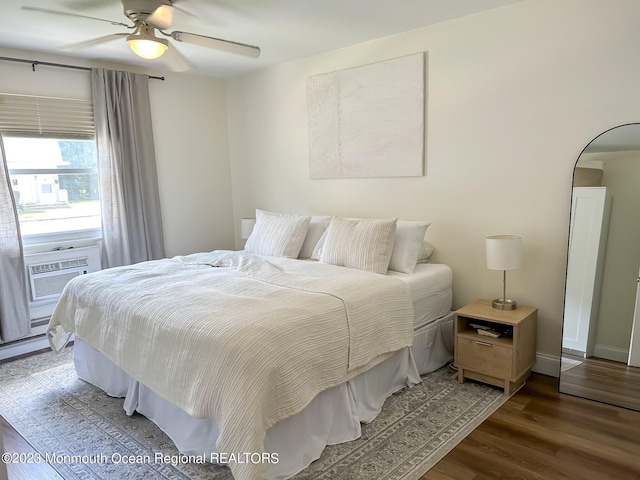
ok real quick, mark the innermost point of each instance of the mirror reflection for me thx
(601, 331)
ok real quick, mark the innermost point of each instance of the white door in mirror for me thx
(590, 208)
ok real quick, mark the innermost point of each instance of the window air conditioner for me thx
(49, 272)
(48, 279)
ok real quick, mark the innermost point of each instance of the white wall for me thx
(514, 94)
(190, 133)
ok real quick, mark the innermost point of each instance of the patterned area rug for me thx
(85, 434)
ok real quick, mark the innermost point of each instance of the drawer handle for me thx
(486, 344)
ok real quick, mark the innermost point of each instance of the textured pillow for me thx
(277, 235)
(407, 246)
(317, 226)
(364, 244)
(425, 252)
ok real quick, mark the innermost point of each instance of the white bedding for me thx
(431, 291)
(269, 334)
(334, 415)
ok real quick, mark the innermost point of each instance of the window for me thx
(55, 184)
(52, 159)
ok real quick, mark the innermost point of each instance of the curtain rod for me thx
(35, 63)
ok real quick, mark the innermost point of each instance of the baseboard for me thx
(547, 365)
(22, 347)
(610, 353)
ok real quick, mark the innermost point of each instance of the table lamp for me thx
(504, 252)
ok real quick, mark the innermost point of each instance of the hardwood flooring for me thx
(542, 434)
(537, 434)
(603, 380)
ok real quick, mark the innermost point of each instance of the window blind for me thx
(27, 115)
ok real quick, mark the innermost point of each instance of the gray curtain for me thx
(131, 219)
(14, 305)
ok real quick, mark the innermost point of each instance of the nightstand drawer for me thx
(484, 357)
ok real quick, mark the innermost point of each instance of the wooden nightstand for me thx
(505, 361)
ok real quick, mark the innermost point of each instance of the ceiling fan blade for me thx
(162, 17)
(58, 12)
(80, 5)
(217, 44)
(175, 60)
(95, 41)
(182, 10)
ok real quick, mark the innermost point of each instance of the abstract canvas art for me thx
(368, 121)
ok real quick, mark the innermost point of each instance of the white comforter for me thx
(243, 340)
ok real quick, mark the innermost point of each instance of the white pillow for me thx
(364, 244)
(407, 245)
(277, 235)
(317, 226)
(317, 250)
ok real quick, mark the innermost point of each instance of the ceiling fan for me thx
(149, 16)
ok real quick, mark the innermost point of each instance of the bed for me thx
(242, 353)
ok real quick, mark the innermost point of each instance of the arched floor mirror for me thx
(601, 329)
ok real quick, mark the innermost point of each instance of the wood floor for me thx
(542, 434)
(537, 434)
(603, 380)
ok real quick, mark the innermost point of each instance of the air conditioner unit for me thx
(49, 272)
(48, 279)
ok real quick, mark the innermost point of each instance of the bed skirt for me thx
(334, 416)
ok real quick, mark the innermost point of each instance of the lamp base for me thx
(504, 304)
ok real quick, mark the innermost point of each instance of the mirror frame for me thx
(626, 371)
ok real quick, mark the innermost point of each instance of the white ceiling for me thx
(284, 29)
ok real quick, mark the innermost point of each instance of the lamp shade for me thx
(504, 252)
(246, 227)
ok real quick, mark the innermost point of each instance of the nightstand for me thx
(505, 361)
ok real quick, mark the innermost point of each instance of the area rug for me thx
(85, 435)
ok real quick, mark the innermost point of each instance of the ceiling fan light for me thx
(148, 47)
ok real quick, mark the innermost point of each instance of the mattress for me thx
(430, 286)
